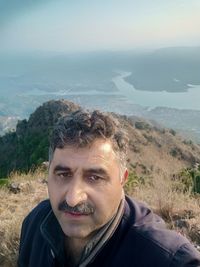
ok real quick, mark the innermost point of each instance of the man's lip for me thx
(75, 214)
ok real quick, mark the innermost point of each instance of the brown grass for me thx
(180, 210)
(13, 208)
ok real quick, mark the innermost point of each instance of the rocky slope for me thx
(152, 149)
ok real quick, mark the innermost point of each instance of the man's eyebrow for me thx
(97, 170)
(61, 168)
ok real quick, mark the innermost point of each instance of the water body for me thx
(68, 92)
(180, 100)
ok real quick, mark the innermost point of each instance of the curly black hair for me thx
(81, 128)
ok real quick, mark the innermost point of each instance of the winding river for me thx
(181, 100)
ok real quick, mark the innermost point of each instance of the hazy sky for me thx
(83, 25)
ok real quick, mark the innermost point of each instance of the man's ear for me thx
(124, 177)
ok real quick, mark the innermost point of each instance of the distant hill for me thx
(169, 69)
(183, 121)
(153, 149)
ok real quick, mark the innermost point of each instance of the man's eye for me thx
(94, 178)
(64, 175)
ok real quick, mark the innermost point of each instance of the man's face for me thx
(86, 177)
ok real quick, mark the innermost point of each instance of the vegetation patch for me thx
(4, 182)
(142, 125)
(190, 179)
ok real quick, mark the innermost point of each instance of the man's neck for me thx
(74, 248)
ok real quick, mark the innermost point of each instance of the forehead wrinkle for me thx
(99, 151)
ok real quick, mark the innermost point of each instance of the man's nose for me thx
(75, 194)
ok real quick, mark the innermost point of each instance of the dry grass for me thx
(180, 210)
(13, 208)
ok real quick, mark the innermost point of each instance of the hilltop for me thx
(152, 149)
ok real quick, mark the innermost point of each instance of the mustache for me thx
(83, 208)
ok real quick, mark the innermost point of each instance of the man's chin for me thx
(74, 230)
(76, 233)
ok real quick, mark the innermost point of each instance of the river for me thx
(181, 100)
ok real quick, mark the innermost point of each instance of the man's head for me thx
(87, 171)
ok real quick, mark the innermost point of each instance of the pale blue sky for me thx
(84, 25)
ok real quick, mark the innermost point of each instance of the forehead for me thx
(100, 152)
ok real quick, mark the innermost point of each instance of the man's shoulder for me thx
(31, 235)
(38, 213)
(139, 215)
(149, 232)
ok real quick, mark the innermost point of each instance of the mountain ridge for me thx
(153, 149)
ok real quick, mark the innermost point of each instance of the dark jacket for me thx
(140, 240)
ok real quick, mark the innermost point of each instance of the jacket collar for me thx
(101, 238)
(53, 234)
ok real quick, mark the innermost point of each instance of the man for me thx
(88, 220)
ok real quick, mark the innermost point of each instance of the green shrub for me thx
(196, 187)
(173, 132)
(142, 125)
(133, 181)
(4, 182)
(191, 180)
(173, 152)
